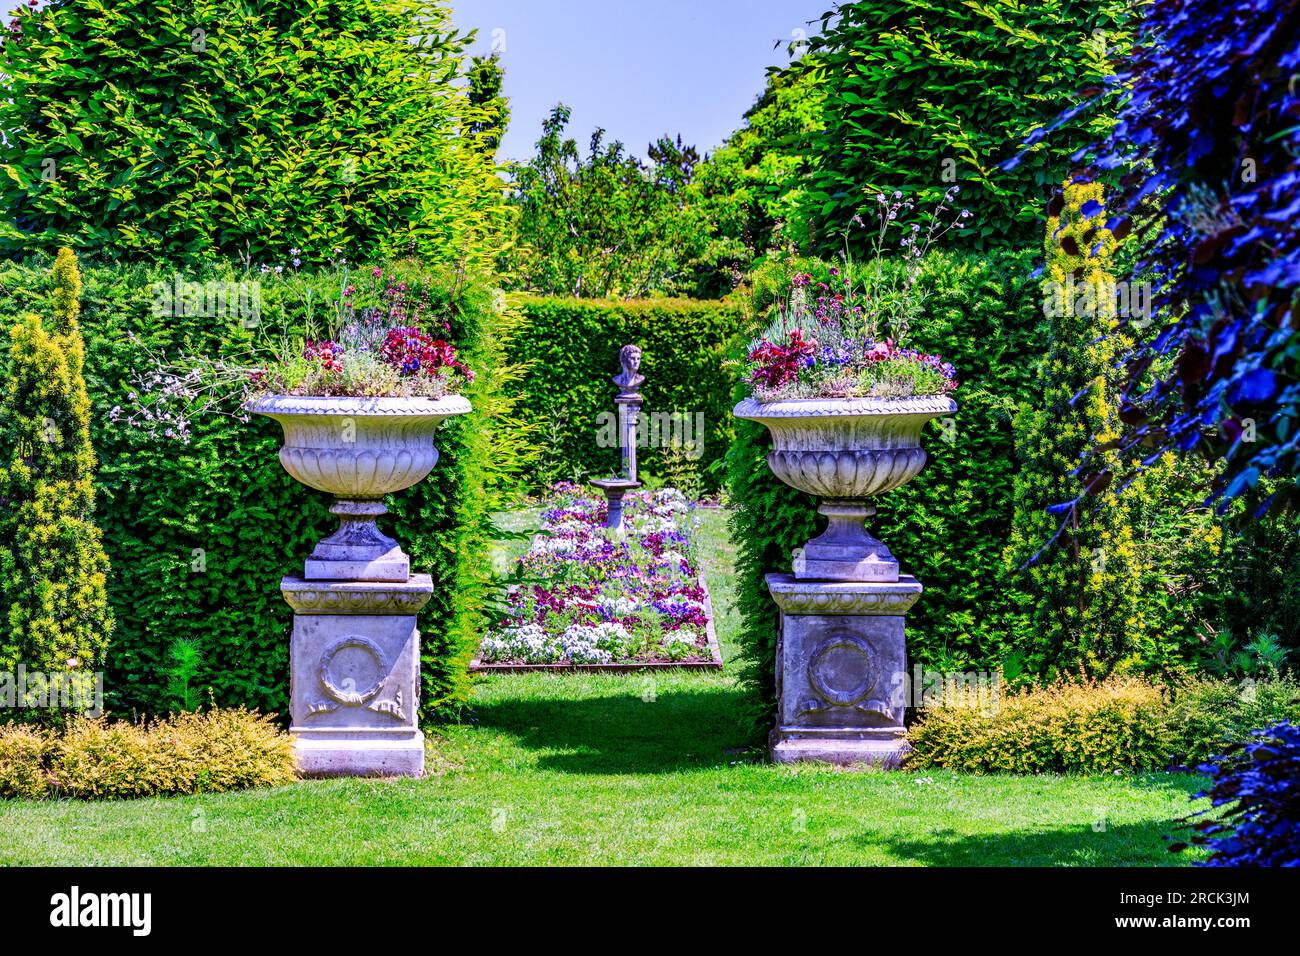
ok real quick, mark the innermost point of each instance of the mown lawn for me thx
(622, 769)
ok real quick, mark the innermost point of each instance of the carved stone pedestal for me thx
(615, 489)
(841, 670)
(354, 662)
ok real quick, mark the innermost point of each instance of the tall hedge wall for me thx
(200, 534)
(571, 349)
(949, 525)
(920, 95)
(191, 129)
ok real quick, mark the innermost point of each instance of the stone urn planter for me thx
(841, 660)
(845, 450)
(354, 654)
(358, 450)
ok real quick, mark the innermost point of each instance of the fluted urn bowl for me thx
(359, 450)
(845, 450)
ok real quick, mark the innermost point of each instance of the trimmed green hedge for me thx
(243, 128)
(571, 347)
(920, 95)
(200, 535)
(949, 525)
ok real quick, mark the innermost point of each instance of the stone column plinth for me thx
(841, 670)
(354, 663)
(614, 490)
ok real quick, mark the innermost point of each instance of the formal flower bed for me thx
(588, 598)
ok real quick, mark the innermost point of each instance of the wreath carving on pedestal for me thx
(344, 691)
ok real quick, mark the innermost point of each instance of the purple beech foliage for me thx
(1206, 158)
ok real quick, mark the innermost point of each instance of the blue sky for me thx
(638, 68)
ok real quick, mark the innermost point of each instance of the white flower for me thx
(681, 643)
(618, 606)
(560, 546)
(652, 524)
(526, 642)
(607, 637)
(581, 652)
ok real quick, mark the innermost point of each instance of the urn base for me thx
(392, 566)
(884, 750)
(845, 551)
(358, 550)
(365, 754)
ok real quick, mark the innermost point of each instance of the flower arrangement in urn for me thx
(842, 339)
(844, 399)
(359, 397)
(380, 339)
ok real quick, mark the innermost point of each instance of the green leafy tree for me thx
(925, 94)
(184, 129)
(186, 661)
(53, 569)
(486, 86)
(1080, 583)
(607, 224)
(749, 188)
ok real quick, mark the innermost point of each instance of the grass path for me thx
(621, 769)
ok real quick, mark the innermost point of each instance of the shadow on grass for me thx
(623, 733)
(1134, 844)
(1100, 844)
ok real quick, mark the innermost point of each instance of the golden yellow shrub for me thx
(208, 752)
(22, 761)
(1071, 726)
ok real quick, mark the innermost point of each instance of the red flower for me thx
(880, 350)
(412, 352)
(780, 364)
(326, 353)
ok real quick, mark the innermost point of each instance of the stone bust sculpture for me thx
(630, 378)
